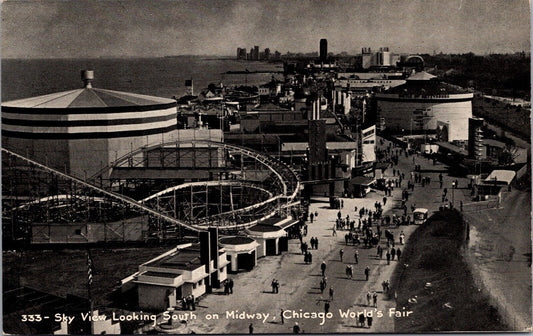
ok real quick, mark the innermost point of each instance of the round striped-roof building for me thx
(80, 131)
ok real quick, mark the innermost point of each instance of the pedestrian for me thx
(331, 293)
(311, 216)
(193, 302)
(361, 319)
(342, 204)
(273, 284)
(281, 316)
(316, 214)
(323, 267)
(326, 307)
(369, 319)
(316, 243)
(388, 258)
(310, 257)
(368, 298)
(341, 253)
(251, 328)
(334, 231)
(375, 299)
(461, 205)
(226, 288)
(296, 328)
(398, 253)
(456, 183)
(356, 256)
(276, 286)
(322, 286)
(230, 286)
(367, 272)
(392, 253)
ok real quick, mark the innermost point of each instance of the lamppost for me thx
(453, 194)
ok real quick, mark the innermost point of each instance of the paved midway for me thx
(299, 282)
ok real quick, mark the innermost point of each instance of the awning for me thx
(288, 224)
(362, 180)
(500, 177)
(452, 148)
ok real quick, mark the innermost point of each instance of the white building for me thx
(164, 280)
(422, 102)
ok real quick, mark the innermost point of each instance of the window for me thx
(193, 286)
(200, 282)
(222, 269)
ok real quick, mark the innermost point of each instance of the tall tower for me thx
(323, 50)
(475, 138)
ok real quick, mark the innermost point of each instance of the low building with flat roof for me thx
(178, 273)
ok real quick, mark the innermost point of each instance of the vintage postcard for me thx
(270, 167)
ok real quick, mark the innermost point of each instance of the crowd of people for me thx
(368, 227)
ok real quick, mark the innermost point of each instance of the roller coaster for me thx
(248, 186)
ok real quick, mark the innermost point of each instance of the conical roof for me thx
(421, 76)
(88, 98)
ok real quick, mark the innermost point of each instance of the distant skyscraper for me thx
(256, 53)
(323, 50)
(241, 53)
(267, 53)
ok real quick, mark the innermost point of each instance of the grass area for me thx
(510, 117)
(452, 303)
(63, 272)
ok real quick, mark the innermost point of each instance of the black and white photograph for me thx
(265, 167)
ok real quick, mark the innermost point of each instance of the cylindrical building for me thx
(80, 131)
(423, 101)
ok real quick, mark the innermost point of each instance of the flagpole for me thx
(89, 285)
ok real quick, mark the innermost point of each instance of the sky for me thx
(151, 28)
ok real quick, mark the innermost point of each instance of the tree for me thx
(507, 156)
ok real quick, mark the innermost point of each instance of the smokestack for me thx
(87, 77)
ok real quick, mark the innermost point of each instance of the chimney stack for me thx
(87, 77)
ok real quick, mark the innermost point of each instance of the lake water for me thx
(162, 77)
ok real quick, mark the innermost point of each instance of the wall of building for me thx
(424, 113)
(133, 229)
(155, 297)
(197, 289)
(369, 144)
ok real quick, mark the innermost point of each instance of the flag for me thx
(89, 269)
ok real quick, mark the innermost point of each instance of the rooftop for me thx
(187, 259)
(88, 98)
(265, 228)
(238, 240)
(425, 87)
